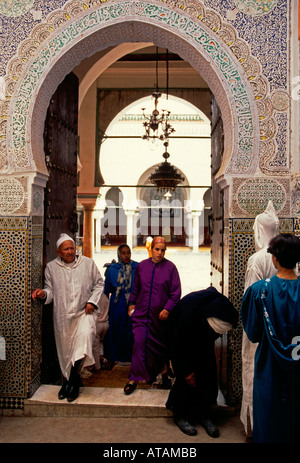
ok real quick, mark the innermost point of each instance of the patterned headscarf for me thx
(124, 277)
(158, 239)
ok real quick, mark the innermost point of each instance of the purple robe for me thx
(156, 287)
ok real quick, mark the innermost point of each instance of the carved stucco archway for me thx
(114, 23)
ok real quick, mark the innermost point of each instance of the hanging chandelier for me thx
(157, 126)
(166, 177)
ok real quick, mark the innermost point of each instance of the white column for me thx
(193, 210)
(188, 228)
(195, 219)
(98, 215)
(130, 231)
(131, 209)
(98, 234)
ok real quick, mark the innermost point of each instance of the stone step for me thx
(98, 402)
(102, 402)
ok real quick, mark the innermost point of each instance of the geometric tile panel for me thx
(13, 196)
(297, 227)
(20, 245)
(241, 248)
(252, 195)
(36, 312)
(13, 306)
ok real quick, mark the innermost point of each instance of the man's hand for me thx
(163, 314)
(38, 294)
(191, 379)
(131, 310)
(89, 308)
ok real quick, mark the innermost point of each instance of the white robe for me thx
(70, 288)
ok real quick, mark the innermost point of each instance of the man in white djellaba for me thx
(74, 285)
(259, 267)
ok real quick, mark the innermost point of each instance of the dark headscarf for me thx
(124, 277)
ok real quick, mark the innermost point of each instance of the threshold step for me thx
(98, 402)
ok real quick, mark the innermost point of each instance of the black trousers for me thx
(194, 402)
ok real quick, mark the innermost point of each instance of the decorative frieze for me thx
(195, 23)
(251, 196)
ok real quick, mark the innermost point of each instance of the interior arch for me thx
(103, 63)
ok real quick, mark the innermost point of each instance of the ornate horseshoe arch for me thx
(65, 41)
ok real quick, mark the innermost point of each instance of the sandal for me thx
(130, 387)
(106, 364)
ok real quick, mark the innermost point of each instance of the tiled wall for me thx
(241, 248)
(21, 241)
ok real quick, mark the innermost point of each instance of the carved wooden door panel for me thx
(216, 225)
(61, 140)
(61, 149)
(217, 214)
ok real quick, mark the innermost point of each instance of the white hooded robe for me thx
(259, 266)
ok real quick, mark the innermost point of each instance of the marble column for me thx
(131, 232)
(88, 226)
(195, 219)
(98, 216)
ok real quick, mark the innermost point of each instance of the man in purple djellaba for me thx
(156, 291)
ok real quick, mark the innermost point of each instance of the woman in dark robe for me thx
(271, 316)
(118, 285)
(156, 291)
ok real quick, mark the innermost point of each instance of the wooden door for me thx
(216, 220)
(61, 151)
(216, 229)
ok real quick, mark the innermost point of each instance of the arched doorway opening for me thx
(164, 231)
(113, 196)
(123, 146)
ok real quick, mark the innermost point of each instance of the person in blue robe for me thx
(270, 315)
(118, 286)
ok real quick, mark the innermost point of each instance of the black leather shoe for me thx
(130, 387)
(73, 392)
(185, 426)
(211, 429)
(63, 392)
